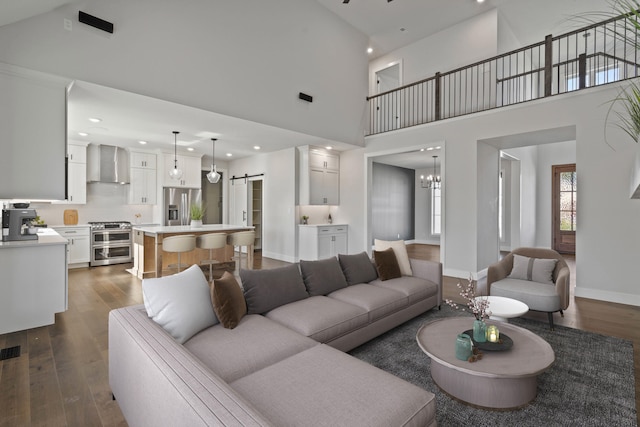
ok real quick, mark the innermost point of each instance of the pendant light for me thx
(433, 181)
(175, 173)
(213, 176)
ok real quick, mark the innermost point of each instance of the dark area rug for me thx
(591, 382)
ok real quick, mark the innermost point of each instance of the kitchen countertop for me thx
(166, 229)
(46, 236)
(69, 226)
(322, 225)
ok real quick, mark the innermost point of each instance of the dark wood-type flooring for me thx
(61, 377)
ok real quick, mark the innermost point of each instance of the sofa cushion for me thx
(400, 250)
(322, 386)
(228, 300)
(180, 303)
(378, 301)
(321, 318)
(533, 269)
(255, 343)
(386, 264)
(357, 268)
(265, 290)
(538, 296)
(414, 288)
(323, 276)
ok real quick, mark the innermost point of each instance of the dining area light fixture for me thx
(432, 181)
(213, 176)
(175, 173)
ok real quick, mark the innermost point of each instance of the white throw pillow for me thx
(180, 303)
(400, 249)
(538, 270)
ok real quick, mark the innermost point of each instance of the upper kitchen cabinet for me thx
(34, 136)
(319, 177)
(142, 160)
(77, 174)
(142, 190)
(191, 167)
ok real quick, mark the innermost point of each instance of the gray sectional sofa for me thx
(284, 363)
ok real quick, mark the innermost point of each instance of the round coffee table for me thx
(501, 379)
(503, 308)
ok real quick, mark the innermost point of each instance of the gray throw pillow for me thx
(322, 277)
(533, 269)
(357, 268)
(265, 290)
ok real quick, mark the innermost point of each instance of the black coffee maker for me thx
(17, 224)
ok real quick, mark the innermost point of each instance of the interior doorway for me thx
(212, 200)
(247, 205)
(565, 191)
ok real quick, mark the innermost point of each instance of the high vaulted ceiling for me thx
(389, 25)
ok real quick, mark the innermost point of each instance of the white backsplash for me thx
(105, 202)
(317, 214)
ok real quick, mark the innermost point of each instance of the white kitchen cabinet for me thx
(191, 170)
(319, 177)
(321, 241)
(76, 175)
(78, 248)
(143, 179)
(142, 160)
(33, 122)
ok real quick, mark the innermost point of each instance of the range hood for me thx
(108, 164)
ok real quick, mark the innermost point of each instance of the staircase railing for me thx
(598, 54)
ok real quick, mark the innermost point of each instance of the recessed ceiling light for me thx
(438, 147)
(229, 154)
(256, 147)
(422, 149)
(190, 149)
(95, 120)
(480, 1)
(403, 29)
(369, 50)
(83, 134)
(430, 149)
(328, 147)
(142, 142)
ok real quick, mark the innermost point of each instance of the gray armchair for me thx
(546, 297)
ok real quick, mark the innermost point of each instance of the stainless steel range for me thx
(111, 242)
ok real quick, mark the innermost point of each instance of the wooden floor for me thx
(61, 377)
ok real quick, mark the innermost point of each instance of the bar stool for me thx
(211, 241)
(240, 239)
(179, 244)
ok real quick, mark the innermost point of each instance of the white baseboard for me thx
(279, 257)
(616, 297)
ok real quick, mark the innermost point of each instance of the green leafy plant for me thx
(197, 212)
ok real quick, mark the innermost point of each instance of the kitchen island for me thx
(33, 286)
(149, 260)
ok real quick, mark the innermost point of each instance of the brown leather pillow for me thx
(228, 300)
(387, 264)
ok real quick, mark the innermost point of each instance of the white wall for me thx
(488, 239)
(528, 192)
(472, 40)
(601, 272)
(247, 59)
(279, 215)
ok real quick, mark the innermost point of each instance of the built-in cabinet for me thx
(78, 248)
(76, 174)
(319, 177)
(321, 241)
(33, 122)
(256, 212)
(143, 178)
(191, 167)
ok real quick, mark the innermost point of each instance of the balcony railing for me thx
(598, 54)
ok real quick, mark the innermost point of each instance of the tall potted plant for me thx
(197, 213)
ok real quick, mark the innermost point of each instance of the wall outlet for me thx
(68, 24)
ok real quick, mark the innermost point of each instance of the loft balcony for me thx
(598, 54)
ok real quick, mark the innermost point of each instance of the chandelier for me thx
(431, 181)
(175, 173)
(213, 176)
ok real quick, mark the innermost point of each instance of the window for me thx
(435, 212)
(568, 194)
(606, 75)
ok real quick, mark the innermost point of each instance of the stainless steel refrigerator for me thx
(177, 202)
